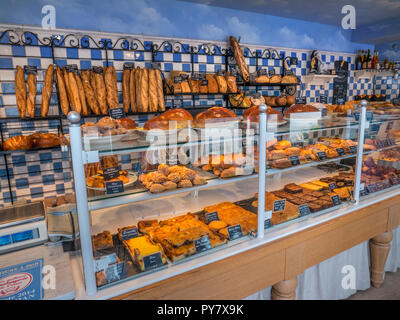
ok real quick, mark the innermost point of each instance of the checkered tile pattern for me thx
(36, 175)
(389, 86)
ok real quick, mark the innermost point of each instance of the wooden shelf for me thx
(318, 79)
(369, 74)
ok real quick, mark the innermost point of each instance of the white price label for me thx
(267, 215)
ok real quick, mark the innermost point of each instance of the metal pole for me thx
(262, 147)
(360, 150)
(82, 202)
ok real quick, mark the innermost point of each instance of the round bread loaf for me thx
(215, 113)
(18, 143)
(290, 100)
(162, 121)
(253, 114)
(126, 123)
(281, 101)
(298, 108)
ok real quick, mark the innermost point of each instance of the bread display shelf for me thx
(371, 73)
(30, 150)
(318, 79)
(278, 84)
(202, 94)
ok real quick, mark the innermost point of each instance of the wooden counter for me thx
(279, 263)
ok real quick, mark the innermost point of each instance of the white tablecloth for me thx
(324, 281)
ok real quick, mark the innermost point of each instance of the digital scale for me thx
(22, 226)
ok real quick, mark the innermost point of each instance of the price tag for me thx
(196, 76)
(156, 65)
(335, 200)
(267, 224)
(152, 261)
(129, 66)
(177, 103)
(178, 79)
(212, 216)
(220, 72)
(379, 186)
(279, 205)
(340, 101)
(262, 72)
(235, 232)
(185, 77)
(30, 69)
(323, 99)
(271, 72)
(204, 83)
(97, 69)
(234, 71)
(115, 272)
(113, 187)
(294, 61)
(300, 100)
(340, 152)
(324, 112)
(294, 160)
(353, 149)
(105, 261)
(71, 68)
(322, 155)
(117, 113)
(369, 116)
(129, 233)
(363, 190)
(371, 188)
(287, 72)
(202, 244)
(332, 186)
(110, 173)
(304, 210)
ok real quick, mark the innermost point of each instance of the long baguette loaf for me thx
(241, 62)
(110, 78)
(31, 100)
(20, 91)
(81, 91)
(138, 74)
(160, 91)
(126, 94)
(75, 99)
(62, 92)
(153, 99)
(68, 88)
(144, 89)
(89, 91)
(101, 92)
(47, 90)
(132, 89)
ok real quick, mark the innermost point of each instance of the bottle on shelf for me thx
(358, 60)
(377, 63)
(373, 60)
(363, 60)
(369, 60)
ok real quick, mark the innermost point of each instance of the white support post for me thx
(262, 148)
(360, 150)
(82, 202)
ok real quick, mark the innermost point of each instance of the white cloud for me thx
(247, 32)
(391, 55)
(210, 31)
(293, 39)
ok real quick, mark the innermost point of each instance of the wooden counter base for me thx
(280, 262)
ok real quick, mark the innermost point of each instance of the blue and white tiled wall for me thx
(35, 175)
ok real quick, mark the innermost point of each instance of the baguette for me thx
(144, 90)
(222, 86)
(75, 99)
(126, 93)
(31, 100)
(67, 87)
(138, 73)
(231, 83)
(20, 91)
(47, 90)
(81, 91)
(241, 62)
(110, 78)
(132, 89)
(62, 92)
(89, 91)
(212, 84)
(160, 91)
(153, 99)
(101, 92)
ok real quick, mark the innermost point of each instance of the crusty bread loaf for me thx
(31, 99)
(20, 91)
(132, 90)
(47, 90)
(241, 62)
(101, 92)
(138, 73)
(18, 143)
(160, 91)
(215, 113)
(182, 117)
(231, 83)
(144, 90)
(81, 91)
(126, 94)
(222, 85)
(110, 79)
(212, 84)
(75, 97)
(90, 92)
(62, 92)
(45, 140)
(153, 97)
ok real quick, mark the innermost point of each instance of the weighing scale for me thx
(22, 226)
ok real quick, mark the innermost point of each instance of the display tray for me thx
(19, 214)
(132, 178)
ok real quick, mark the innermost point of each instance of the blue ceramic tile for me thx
(45, 52)
(186, 67)
(34, 62)
(18, 51)
(48, 179)
(95, 54)
(7, 87)
(6, 63)
(210, 59)
(72, 53)
(36, 192)
(177, 57)
(86, 64)
(60, 189)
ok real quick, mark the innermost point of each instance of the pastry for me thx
(31, 98)
(194, 85)
(45, 140)
(20, 91)
(293, 188)
(217, 224)
(275, 79)
(85, 109)
(262, 79)
(289, 79)
(153, 95)
(110, 79)
(160, 91)
(102, 241)
(212, 84)
(222, 85)
(126, 91)
(47, 90)
(311, 186)
(203, 86)
(241, 62)
(90, 92)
